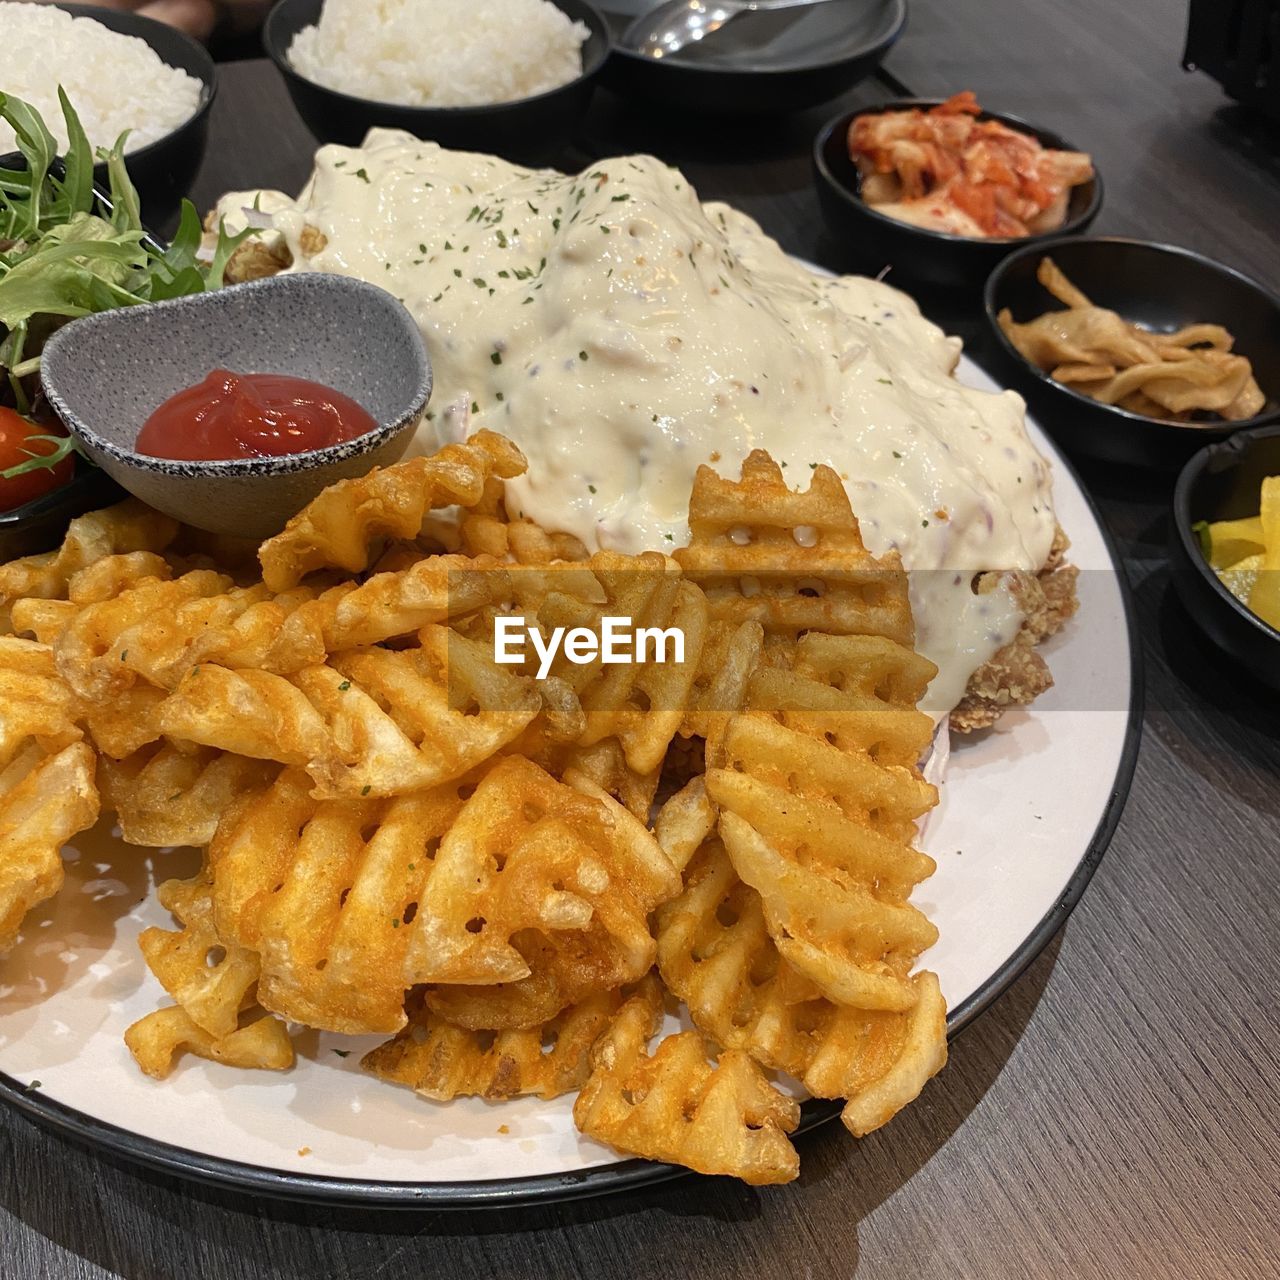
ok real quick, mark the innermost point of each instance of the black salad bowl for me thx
(39, 525)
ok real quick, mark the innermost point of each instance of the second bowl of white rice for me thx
(511, 76)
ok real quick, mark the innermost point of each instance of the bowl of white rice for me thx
(507, 76)
(122, 73)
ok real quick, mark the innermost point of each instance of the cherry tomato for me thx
(16, 446)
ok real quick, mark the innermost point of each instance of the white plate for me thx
(1027, 810)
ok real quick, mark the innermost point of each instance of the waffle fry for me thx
(642, 704)
(605, 765)
(156, 1040)
(244, 627)
(531, 854)
(489, 530)
(822, 835)
(338, 528)
(793, 562)
(125, 722)
(371, 722)
(34, 701)
(102, 580)
(857, 692)
(731, 654)
(44, 801)
(684, 822)
(715, 954)
(163, 796)
(129, 526)
(922, 1056)
(443, 1062)
(566, 966)
(329, 893)
(208, 977)
(91, 654)
(405, 837)
(45, 620)
(248, 628)
(674, 1105)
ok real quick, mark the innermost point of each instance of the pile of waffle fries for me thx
(514, 878)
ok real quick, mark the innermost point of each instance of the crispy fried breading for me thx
(1018, 674)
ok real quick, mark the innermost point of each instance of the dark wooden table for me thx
(1114, 1114)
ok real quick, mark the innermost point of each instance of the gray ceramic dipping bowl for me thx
(104, 374)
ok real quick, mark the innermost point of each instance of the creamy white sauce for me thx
(622, 333)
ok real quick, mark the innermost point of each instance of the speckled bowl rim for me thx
(285, 464)
(280, 56)
(208, 76)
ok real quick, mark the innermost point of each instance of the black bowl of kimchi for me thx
(874, 241)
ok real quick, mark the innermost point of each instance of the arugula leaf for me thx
(76, 187)
(126, 214)
(38, 148)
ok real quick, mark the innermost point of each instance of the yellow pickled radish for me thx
(1230, 541)
(1264, 595)
(1239, 579)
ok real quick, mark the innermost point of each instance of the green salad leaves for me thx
(66, 253)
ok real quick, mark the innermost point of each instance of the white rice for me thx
(115, 82)
(440, 53)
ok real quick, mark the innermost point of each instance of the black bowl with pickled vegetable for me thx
(1224, 482)
(925, 255)
(164, 170)
(1161, 288)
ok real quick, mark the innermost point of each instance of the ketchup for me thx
(250, 415)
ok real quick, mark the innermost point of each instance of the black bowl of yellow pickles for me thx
(1225, 545)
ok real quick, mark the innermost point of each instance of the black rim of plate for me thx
(627, 1174)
